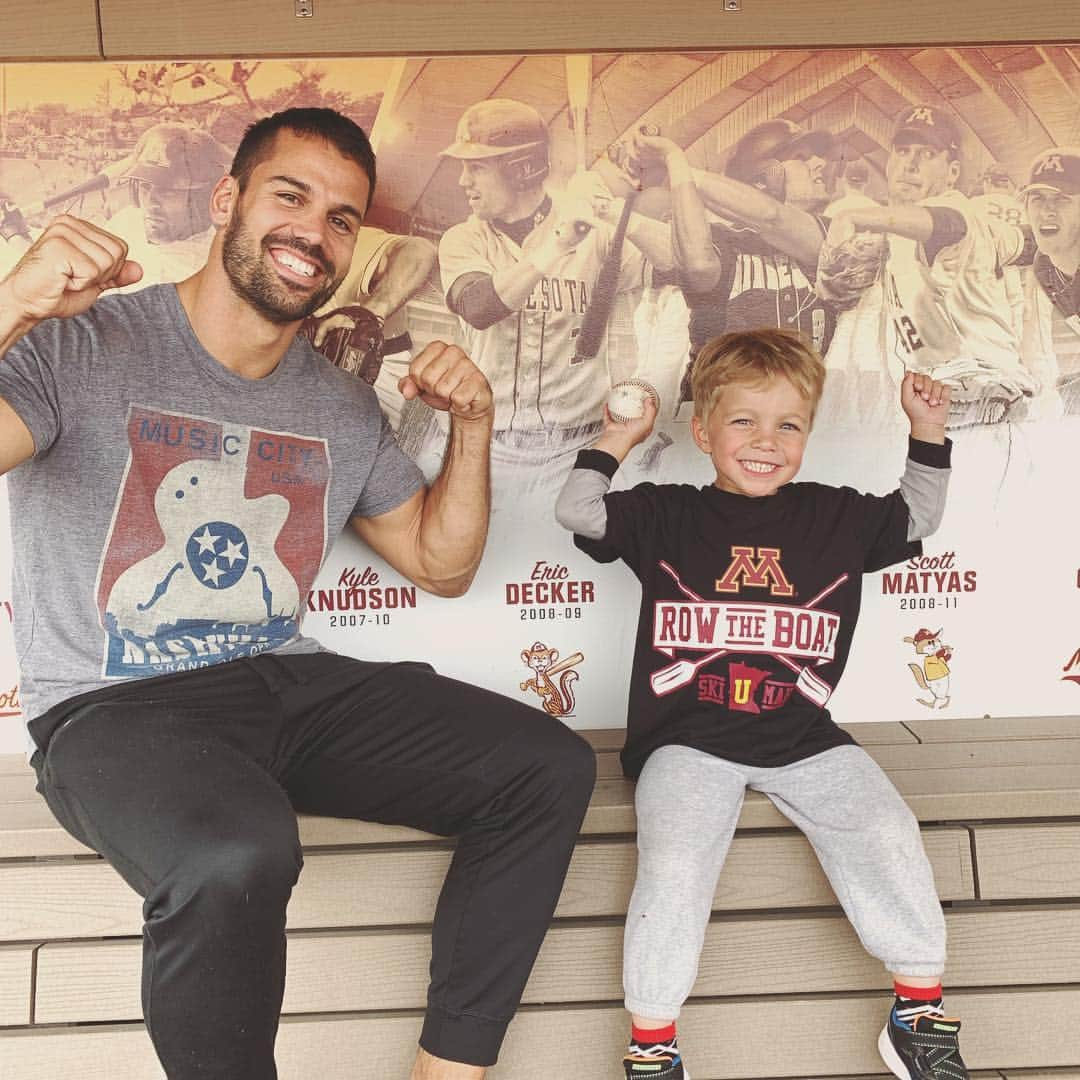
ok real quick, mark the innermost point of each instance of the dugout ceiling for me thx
(115, 29)
(705, 101)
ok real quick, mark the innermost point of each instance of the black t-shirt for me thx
(748, 606)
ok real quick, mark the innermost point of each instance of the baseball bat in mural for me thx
(594, 325)
(99, 182)
(569, 662)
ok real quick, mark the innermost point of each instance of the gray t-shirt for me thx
(174, 514)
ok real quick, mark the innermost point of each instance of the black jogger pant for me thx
(188, 785)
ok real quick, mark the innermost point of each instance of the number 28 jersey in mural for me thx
(174, 514)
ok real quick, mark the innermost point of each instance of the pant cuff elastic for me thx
(929, 970)
(651, 1009)
(470, 1040)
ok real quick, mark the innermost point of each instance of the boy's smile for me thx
(755, 436)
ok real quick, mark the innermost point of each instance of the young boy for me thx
(750, 592)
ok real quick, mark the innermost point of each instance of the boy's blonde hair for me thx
(756, 356)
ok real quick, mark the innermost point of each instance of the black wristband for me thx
(599, 461)
(936, 455)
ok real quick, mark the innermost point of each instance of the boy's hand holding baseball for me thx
(926, 403)
(619, 437)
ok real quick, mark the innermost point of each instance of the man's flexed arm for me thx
(436, 537)
(66, 269)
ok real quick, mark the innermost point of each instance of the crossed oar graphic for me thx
(676, 675)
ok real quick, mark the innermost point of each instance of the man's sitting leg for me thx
(407, 746)
(208, 838)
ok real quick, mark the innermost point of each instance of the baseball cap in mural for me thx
(1056, 169)
(929, 125)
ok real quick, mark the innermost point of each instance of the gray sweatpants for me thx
(865, 836)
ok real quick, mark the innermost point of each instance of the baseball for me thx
(626, 401)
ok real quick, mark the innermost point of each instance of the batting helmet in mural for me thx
(179, 157)
(511, 131)
(757, 156)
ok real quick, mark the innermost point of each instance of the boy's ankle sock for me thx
(653, 1053)
(915, 1001)
(650, 1040)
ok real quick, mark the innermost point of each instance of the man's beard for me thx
(253, 280)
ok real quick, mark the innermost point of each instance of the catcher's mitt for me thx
(353, 339)
(846, 271)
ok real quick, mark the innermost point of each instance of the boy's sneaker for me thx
(662, 1064)
(928, 1049)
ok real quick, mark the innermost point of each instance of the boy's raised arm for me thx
(580, 505)
(925, 482)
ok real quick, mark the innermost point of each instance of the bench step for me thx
(42, 900)
(821, 1036)
(361, 971)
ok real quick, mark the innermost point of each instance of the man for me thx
(165, 549)
(387, 271)
(943, 304)
(754, 268)
(521, 273)
(171, 172)
(1052, 326)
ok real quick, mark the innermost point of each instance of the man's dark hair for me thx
(339, 131)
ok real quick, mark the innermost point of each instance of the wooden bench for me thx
(784, 989)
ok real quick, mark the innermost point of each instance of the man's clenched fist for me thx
(65, 270)
(443, 377)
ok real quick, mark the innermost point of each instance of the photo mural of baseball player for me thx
(575, 222)
(752, 265)
(169, 176)
(943, 305)
(1052, 322)
(533, 274)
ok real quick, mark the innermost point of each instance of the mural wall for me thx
(575, 168)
